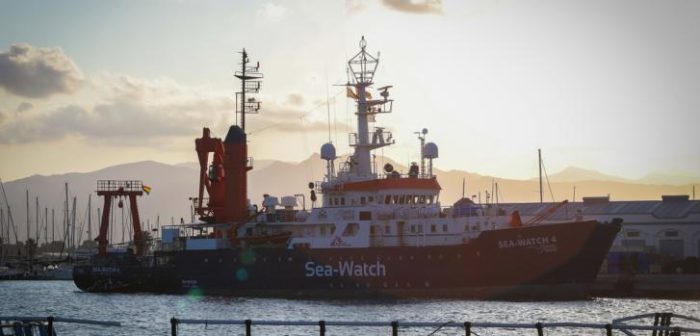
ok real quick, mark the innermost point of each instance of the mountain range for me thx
(172, 185)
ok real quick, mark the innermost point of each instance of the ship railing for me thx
(661, 325)
(119, 185)
(45, 325)
(375, 139)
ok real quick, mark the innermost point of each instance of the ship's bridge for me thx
(387, 191)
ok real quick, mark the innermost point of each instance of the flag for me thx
(350, 93)
(146, 189)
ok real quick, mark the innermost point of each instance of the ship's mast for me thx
(250, 83)
(362, 67)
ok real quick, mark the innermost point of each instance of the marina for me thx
(349, 167)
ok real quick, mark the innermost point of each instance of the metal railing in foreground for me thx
(661, 327)
(50, 320)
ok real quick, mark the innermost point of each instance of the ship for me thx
(367, 233)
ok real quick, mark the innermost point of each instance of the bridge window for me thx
(363, 200)
(444, 227)
(671, 234)
(432, 228)
(323, 230)
(371, 199)
(342, 201)
(351, 229)
(633, 234)
(421, 199)
(365, 215)
(413, 229)
(387, 229)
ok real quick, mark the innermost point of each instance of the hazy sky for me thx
(607, 85)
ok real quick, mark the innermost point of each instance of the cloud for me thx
(354, 6)
(38, 72)
(272, 12)
(295, 99)
(415, 7)
(24, 106)
(130, 111)
(287, 118)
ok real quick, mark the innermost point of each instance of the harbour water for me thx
(149, 314)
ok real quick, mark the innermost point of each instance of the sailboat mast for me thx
(28, 223)
(66, 225)
(539, 156)
(89, 219)
(37, 219)
(46, 225)
(72, 236)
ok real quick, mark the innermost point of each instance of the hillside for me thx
(174, 184)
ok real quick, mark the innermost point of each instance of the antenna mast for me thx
(251, 79)
(363, 66)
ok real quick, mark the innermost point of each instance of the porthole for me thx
(427, 284)
(206, 260)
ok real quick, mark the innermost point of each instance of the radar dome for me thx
(388, 168)
(430, 151)
(328, 151)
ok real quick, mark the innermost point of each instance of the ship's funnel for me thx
(236, 167)
(235, 135)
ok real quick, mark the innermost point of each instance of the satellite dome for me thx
(430, 151)
(328, 151)
(388, 168)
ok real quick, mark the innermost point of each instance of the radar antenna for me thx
(251, 79)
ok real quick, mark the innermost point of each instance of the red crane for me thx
(110, 189)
